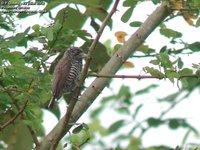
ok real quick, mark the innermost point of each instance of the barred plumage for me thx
(67, 73)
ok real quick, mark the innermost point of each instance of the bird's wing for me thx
(60, 74)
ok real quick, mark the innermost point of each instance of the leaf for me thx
(99, 57)
(185, 71)
(129, 3)
(129, 64)
(124, 94)
(155, 62)
(146, 89)
(154, 72)
(188, 16)
(180, 63)
(36, 27)
(98, 13)
(175, 123)
(137, 111)
(73, 19)
(49, 34)
(198, 23)
(156, 1)
(164, 59)
(170, 98)
(145, 49)
(120, 35)
(96, 126)
(135, 24)
(170, 33)
(115, 126)
(126, 16)
(154, 122)
(134, 143)
(171, 75)
(17, 136)
(77, 129)
(95, 113)
(198, 73)
(195, 47)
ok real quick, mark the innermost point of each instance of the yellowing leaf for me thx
(129, 64)
(188, 17)
(30, 91)
(178, 4)
(121, 36)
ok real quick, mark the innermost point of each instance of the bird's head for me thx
(75, 52)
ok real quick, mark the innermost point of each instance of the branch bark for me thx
(111, 67)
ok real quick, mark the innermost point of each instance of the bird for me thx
(66, 73)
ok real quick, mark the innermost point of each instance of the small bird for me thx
(67, 73)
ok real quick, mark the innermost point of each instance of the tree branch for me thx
(62, 127)
(137, 76)
(12, 120)
(35, 140)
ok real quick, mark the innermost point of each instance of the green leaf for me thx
(195, 47)
(77, 129)
(95, 113)
(146, 89)
(198, 73)
(124, 94)
(145, 49)
(96, 126)
(155, 62)
(49, 34)
(156, 1)
(198, 23)
(134, 143)
(180, 63)
(170, 98)
(17, 136)
(154, 72)
(73, 19)
(126, 16)
(171, 75)
(130, 3)
(116, 126)
(164, 59)
(185, 71)
(169, 33)
(175, 123)
(100, 56)
(36, 27)
(135, 24)
(137, 111)
(98, 13)
(154, 122)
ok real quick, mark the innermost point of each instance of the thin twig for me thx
(12, 120)
(35, 140)
(67, 116)
(136, 76)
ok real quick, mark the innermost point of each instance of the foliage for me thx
(26, 68)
